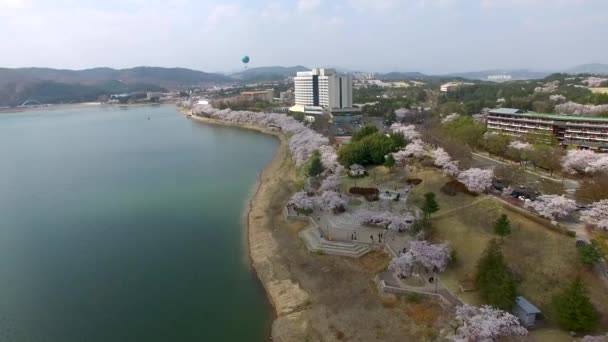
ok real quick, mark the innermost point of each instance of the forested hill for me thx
(54, 85)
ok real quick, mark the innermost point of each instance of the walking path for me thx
(453, 210)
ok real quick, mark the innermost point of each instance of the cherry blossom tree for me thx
(423, 254)
(578, 161)
(330, 183)
(450, 118)
(409, 132)
(485, 324)
(415, 149)
(480, 118)
(597, 215)
(401, 157)
(385, 219)
(506, 192)
(581, 109)
(520, 145)
(331, 201)
(476, 180)
(443, 160)
(553, 206)
(301, 201)
(589, 338)
(600, 165)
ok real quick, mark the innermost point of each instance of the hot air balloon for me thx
(245, 60)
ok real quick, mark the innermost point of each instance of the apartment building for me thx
(569, 130)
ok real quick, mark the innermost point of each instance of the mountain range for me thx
(56, 85)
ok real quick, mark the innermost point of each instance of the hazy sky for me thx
(380, 35)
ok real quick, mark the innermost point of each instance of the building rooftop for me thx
(562, 117)
(255, 92)
(507, 111)
(526, 306)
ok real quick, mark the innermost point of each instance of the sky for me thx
(433, 36)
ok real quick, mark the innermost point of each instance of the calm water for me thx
(115, 228)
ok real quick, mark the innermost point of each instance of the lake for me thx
(125, 224)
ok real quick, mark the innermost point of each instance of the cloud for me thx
(221, 14)
(12, 4)
(488, 4)
(377, 6)
(304, 6)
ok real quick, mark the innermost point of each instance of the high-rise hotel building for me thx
(323, 89)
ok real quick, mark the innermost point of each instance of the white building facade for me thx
(323, 88)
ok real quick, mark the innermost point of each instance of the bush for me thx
(364, 191)
(414, 181)
(453, 187)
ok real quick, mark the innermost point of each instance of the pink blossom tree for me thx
(600, 165)
(443, 160)
(520, 145)
(331, 201)
(578, 161)
(476, 180)
(553, 207)
(450, 118)
(409, 132)
(589, 338)
(301, 201)
(385, 219)
(415, 149)
(485, 324)
(330, 183)
(597, 215)
(423, 254)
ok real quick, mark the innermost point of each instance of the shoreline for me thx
(19, 110)
(284, 295)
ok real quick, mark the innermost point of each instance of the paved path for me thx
(453, 210)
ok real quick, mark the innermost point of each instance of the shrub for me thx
(364, 191)
(453, 187)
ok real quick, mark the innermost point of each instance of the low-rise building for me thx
(356, 170)
(570, 130)
(525, 311)
(260, 95)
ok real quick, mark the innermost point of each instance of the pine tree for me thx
(430, 204)
(389, 162)
(502, 226)
(591, 254)
(575, 311)
(315, 167)
(494, 280)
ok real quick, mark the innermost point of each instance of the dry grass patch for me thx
(599, 90)
(374, 262)
(543, 261)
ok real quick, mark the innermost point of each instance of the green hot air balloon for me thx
(245, 59)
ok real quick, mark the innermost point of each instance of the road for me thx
(533, 179)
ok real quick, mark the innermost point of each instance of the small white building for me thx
(356, 170)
